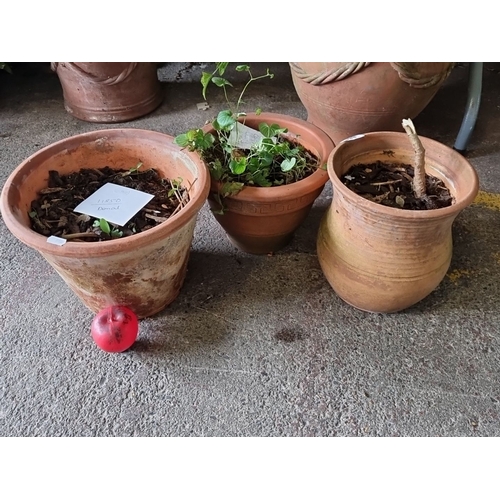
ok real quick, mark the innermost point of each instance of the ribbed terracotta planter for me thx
(144, 272)
(345, 99)
(109, 92)
(384, 259)
(260, 220)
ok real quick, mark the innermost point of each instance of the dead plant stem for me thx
(419, 167)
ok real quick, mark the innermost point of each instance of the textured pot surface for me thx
(261, 220)
(383, 259)
(109, 92)
(346, 99)
(144, 272)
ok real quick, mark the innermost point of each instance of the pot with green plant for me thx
(385, 243)
(266, 169)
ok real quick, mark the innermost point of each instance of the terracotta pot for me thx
(384, 259)
(261, 220)
(144, 272)
(345, 99)
(109, 92)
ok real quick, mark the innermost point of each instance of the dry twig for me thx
(419, 174)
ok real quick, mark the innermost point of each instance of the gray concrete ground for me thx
(254, 345)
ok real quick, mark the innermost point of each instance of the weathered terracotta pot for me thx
(261, 220)
(144, 272)
(345, 99)
(109, 92)
(384, 259)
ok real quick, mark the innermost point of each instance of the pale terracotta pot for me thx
(145, 271)
(109, 92)
(345, 99)
(384, 259)
(261, 220)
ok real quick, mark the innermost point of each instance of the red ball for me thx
(115, 328)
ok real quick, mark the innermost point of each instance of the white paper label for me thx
(244, 137)
(55, 240)
(353, 138)
(117, 204)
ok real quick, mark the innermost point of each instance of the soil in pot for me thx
(391, 184)
(52, 213)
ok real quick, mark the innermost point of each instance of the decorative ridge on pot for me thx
(109, 92)
(144, 271)
(347, 98)
(384, 259)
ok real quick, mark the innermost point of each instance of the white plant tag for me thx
(244, 137)
(117, 204)
(56, 240)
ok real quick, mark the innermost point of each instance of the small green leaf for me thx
(182, 140)
(258, 111)
(221, 82)
(225, 119)
(216, 170)
(33, 214)
(267, 145)
(221, 67)
(265, 129)
(238, 166)
(231, 188)
(265, 159)
(205, 80)
(103, 224)
(243, 67)
(207, 141)
(261, 179)
(271, 130)
(288, 164)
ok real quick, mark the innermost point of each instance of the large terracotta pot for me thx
(145, 271)
(261, 220)
(345, 99)
(109, 92)
(384, 259)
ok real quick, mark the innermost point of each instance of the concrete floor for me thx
(254, 345)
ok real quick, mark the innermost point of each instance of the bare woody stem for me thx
(419, 174)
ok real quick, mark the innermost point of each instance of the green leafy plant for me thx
(104, 226)
(274, 158)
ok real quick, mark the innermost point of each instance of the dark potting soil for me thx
(390, 184)
(52, 212)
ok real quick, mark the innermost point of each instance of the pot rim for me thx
(429, 145)
(102, 248)
(320, 142)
